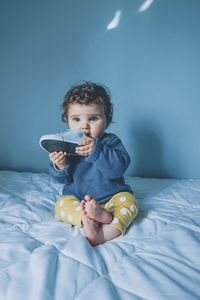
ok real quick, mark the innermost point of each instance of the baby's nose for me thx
(85, 125)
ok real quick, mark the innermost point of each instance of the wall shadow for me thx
(146, 144)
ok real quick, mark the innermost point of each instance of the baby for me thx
(95, 195)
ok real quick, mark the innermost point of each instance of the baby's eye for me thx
(93, 118)
(76, 119)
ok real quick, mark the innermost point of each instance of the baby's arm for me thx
(60, 167)
(59, 159)
(110, 157)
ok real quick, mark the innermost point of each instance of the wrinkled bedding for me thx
(42, 258)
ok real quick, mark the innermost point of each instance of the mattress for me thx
(42, 258)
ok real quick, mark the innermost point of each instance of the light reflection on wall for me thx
(145, 5)
(115, 21)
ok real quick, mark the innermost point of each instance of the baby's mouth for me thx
(87, 134)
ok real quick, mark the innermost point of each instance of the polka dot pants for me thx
(123, 207)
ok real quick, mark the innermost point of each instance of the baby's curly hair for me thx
(87, 93)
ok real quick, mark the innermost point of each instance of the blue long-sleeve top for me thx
(99, 175)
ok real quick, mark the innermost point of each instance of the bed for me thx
(42, 258)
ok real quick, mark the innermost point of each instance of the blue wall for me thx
(146, 52)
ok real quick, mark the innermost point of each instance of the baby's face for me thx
(87, 117)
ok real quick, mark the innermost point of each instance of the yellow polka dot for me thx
(76, 202)
(69, 217)
(122, 199)
(61, 202)
(115, 220)
(62, 213)
(123, 211)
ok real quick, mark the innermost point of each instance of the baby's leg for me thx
(97, 233)
(124, 209)
(94, 211)
(68, 209)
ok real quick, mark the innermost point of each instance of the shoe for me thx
(66, 141)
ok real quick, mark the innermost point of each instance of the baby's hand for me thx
(85, 148)
(59, 159)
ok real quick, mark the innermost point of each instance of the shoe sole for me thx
(57, 146)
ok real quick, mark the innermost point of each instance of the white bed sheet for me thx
(42, 258)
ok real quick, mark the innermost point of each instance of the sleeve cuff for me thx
(59, 173)
(96, 151)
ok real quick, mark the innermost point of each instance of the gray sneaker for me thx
(66, 141)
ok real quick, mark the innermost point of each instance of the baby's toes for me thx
(83, 205)
(88, 198)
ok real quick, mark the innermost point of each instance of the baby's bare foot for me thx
(93, 231)
(94, 211)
